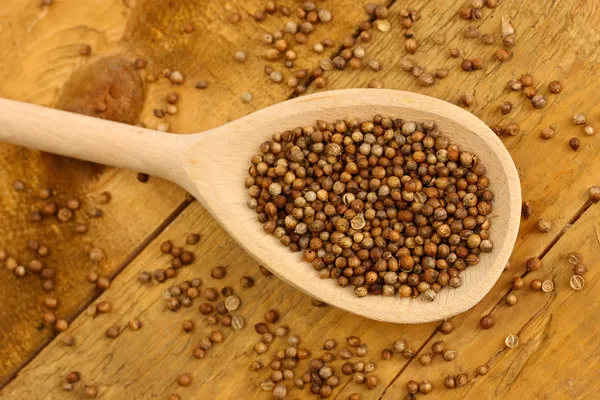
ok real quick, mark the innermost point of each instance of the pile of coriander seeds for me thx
(385, 205)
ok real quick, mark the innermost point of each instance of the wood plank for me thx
(41, 55)
(165, 350)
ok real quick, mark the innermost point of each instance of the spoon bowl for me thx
(213, 165)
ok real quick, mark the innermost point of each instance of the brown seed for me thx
(449, 354)
(272, 316)
(465, 13)
(462, 380)
(538, 101)
(554, 87)
(511, 341)
(187, 325)
(547, 133)
(506, 107)
(411, 45)
(579, 269)
(103, 307)
(218, 272)
(96, 254)
(534, 264)
(510, 299)
(184, 379)
(113, 332)
(486, 322)
(502, 55)
(577, 282)
(482, 370)
(518, 283)
(192, 238)
(205, 308)
(211, 294)
(135, 324)
(445, 327)
(574, 144)
(425, 359)
(544, 225)
(425, 387)
(102, 283)
(535, 284)
(73, 377)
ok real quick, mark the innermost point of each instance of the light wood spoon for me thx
(212, 166)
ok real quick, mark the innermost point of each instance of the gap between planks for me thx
(84, 305)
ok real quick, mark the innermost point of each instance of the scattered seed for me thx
(574, 144)
(544, 225)
(237, 322)
(577, 282)
(511, 341)
(547, 286)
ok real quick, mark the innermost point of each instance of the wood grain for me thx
(555, 40)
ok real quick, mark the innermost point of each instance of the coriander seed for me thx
(547, 286)
(482, 370)
(535, 284)
(579, 119)
(486, 322)
(510, 299)
(425, 359)
(547, 133)
(449, 382)
(574, 144)
(506, 107)
(534, 264)
(272, 316)
(577, 282)
(462, 379)
(579, 269)
(425, 387)
(511, 341)
(445, 327)
(588, 130)
(518, 283)
(554, 87)
(449, 355)
(539, 101)
(386, 354)
(438, 347)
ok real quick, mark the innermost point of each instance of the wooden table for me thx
(558, 355)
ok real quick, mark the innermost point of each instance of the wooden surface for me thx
(557, 357)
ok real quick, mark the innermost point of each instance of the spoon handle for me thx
(91, 139)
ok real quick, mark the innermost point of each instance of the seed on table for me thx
(176, 78)
(353, 341)
(217, 337)
(579, 269)
(510, 299)
(518, 283)
(466, 99)
(441, 73)
(450, 382)
(218, 272)
(547, 133)
(272, 316)
(135, 324)
(425, 387)
(506, 107)
(511, 341)
(246, 97)
(486, 322)
(386, 354)
(90, 392)
(103, 307)
(544, 225)
(237, 322)
(425, 359)
(232, 303)
(579, 119)
(411, 45)
(426, 79)
(588, 130)
(187, 325)
(462, 380)
(96, 254)
(539, 101)
(293, 340)
(534, 264)
(438, 347)
(282, 331)
(574, 144)
(73, 376)
(184, 379)
(246, 281)
(329, 344)
(547, 286)
(211, 294)
(482, 370)
(144, 277)
(61, 325)
(198, 353)
(445, 327)
(205, 308)
(361, 350)
(577, 282)
(449, 355)
(20, 271)
(408, 354)
(113, 332)
(554, 87)
(535, 284)
(102, 283)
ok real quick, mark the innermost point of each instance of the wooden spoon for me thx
(212, 166)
